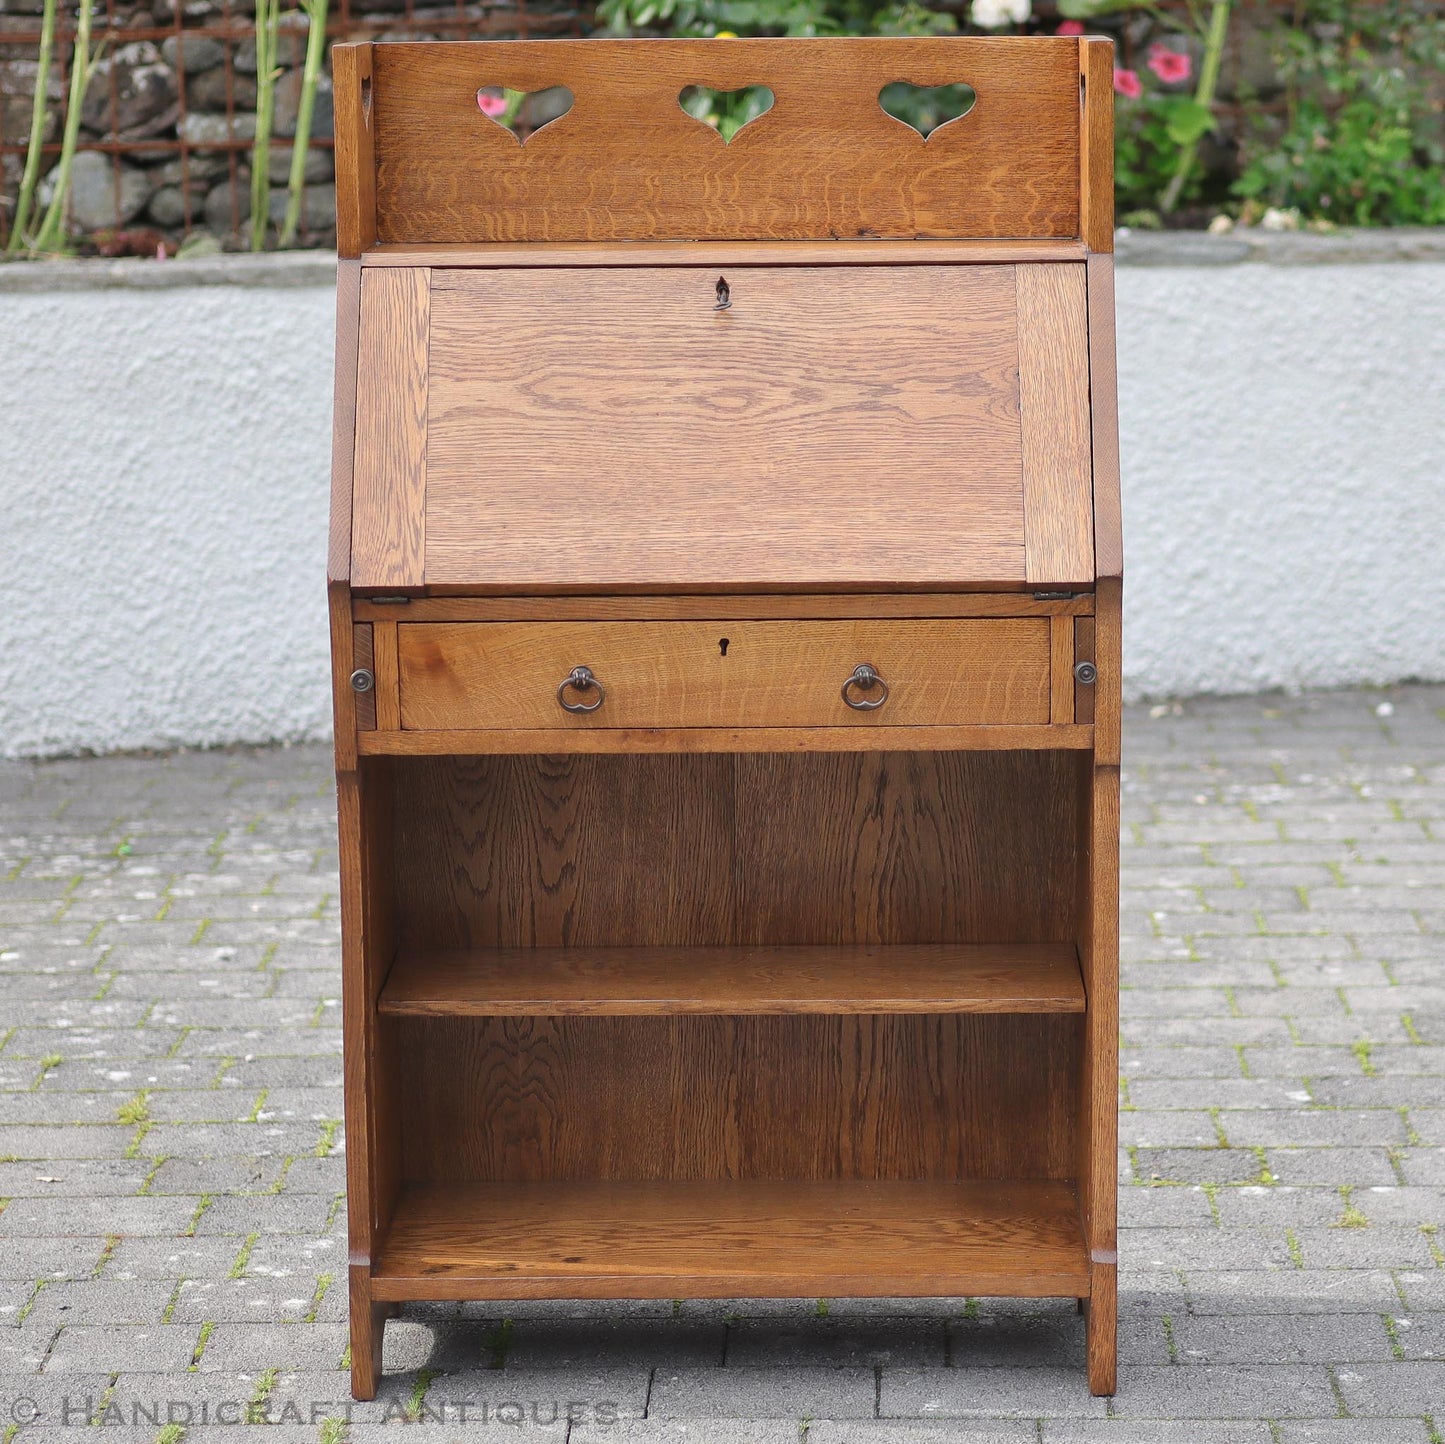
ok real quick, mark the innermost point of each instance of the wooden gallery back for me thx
(724, 592)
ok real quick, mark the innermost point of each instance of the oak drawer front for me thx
(460, 675)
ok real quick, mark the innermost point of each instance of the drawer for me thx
(946, 672)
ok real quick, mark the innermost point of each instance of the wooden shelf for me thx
(712, 1239)
(918, 978)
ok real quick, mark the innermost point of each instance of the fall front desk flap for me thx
(737, 428)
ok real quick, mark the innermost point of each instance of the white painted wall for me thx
(164, 470)
(164, 464)
(1283, 440)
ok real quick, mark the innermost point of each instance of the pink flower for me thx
(493, 105)
(1126, 83)
(1169, 65)
(1070, 27)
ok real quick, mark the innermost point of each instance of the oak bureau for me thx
(725, 610)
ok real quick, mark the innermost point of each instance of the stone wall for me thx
(177, 92)
(166, 436)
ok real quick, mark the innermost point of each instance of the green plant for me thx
(1158, 129)
(26, 199)
(51, 235)
(316, 11)
(268, 16)
(1359, 141)
(776, 17)
(726, 111)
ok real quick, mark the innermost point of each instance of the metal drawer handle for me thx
(580, 679)
(864, 679)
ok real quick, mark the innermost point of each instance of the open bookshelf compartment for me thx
(735, 1239)
(801, 1097)
(808, 849)
(857, 978)
(728, 1025)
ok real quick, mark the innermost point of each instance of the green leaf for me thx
(1186, 120)
(1087, 9)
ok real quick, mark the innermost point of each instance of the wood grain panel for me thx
(727, 253)
(905, 847)
(632, 607)
(1084, 652)
(826, 161)
(761, 849)
(1099, 960)
(1108, 657)
(720, 674)
(1102, 1344)
(1104, 419)
(1061, 671)
(564, 851)
(1054, 415)
(362, 656)
(385, 665)
(1096, 142)
(937, 978)
(697, 740)
(389, 493)
(834, 427)
(806, 1096)
(343, 419)
(338, 545)
(367, 947)
(353, 97)
(735, 1240)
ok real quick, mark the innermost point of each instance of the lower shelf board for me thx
(733, 1239)
(839, 978)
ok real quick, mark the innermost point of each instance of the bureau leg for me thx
(1101, 1326)
(368, 1327)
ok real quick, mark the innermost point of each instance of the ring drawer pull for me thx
(864, 679)
(580, 679)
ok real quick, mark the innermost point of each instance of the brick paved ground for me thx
(173, 1223)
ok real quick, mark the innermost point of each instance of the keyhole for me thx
(722, 646)
(724, 295)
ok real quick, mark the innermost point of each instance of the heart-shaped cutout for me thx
(523, 112)
(726, 111)
(926, 108)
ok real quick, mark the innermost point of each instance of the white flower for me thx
(990, 14)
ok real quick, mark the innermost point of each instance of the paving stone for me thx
(1282, 1339)
(956, 1431)
(692, 1431)
(235, 1346)
(1354, 1431)
(34, 1258)
(1153, 1431)
(1241, 1391)
(99, 1301)
(1292, 1291)
(1393, 1390)
(786, 1393)
(568, 1343)
(170, 1258)
(1358, 1167)
(880, 1342)
(965, 1393)
(587, 1395)
(35, 1217)
(152, 1348)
